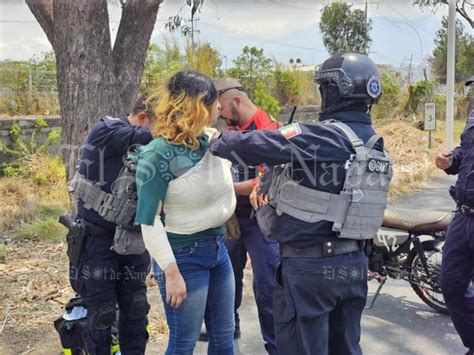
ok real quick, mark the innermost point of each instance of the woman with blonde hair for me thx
(185, 195)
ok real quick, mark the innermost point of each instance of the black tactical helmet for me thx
(348, 79)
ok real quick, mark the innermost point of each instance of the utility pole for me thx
(366, 11)
(450, 75)
(409, 70)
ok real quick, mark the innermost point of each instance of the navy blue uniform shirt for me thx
(463, 165)
(318, 154)
(102, 157)
(241, 172)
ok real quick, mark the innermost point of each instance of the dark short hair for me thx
(142, 105)
(192, 83)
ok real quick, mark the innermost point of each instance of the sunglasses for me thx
(222, 91)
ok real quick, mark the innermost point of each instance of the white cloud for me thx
(282, 27)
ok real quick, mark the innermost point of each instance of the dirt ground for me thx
(34, 288)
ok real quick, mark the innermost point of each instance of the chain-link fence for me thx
(25, 89)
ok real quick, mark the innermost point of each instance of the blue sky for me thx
(284, 28)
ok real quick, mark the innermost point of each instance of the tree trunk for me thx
(94, 80)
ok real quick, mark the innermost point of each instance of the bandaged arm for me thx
(156, 241)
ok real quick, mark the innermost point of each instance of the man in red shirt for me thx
(240, 113)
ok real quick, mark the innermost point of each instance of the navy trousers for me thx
(105, 279)
(318, 304)
(264, 257)
(456, 275)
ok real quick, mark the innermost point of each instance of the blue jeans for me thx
(207, 272)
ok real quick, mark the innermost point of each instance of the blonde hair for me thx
(181, 119)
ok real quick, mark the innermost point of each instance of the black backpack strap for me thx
(373, 141)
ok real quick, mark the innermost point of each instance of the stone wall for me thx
(27, 125)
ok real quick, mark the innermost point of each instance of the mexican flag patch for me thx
(291, 130)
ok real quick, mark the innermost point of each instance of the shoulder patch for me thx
(291, 130)
(374, 88)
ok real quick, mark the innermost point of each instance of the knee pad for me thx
(105, 317)
(139, 307)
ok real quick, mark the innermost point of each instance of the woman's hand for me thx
(175, 286)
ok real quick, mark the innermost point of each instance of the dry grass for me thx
(34, 198)
(35, 288)
(414, 161)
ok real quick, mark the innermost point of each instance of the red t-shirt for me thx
(260, 120)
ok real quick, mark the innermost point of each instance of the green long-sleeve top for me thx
(159, 162)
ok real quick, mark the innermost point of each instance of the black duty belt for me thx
(95, 230)
(466, 209)
(329, 248)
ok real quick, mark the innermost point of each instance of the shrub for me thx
(47, 229)
(390, 99)
(26, 153)
(287, 90)
(264, 100)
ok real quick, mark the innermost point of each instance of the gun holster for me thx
(75, 238)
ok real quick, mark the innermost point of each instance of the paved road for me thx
(399, 323)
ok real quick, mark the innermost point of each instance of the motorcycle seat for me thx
(418, 221)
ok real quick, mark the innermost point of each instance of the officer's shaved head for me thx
(230, 85)
(236, 106)
(225, 83)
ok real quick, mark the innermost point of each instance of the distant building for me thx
(297, 64)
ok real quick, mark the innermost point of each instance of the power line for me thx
(292, 5)
(236, 31)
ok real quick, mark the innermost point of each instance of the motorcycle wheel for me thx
(426, 293)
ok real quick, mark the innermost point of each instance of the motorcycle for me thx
(409, 246)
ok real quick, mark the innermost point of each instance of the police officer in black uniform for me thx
(103, 278)
(321, 286)
(457, 275)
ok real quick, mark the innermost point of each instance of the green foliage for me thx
(39, 178)
(11, 171)
(15, 131)
(420, 92)
(49, 212)
(30, 86)
(204, 58)
(23, 152)
(161, 63)
(251, 67)
(390, 99)
(46, 229)
(464, 53)
(264, 100)
(41, 122)
(344, 29)
(286, 89)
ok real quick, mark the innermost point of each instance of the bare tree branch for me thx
(43, 12)
(460, 7)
